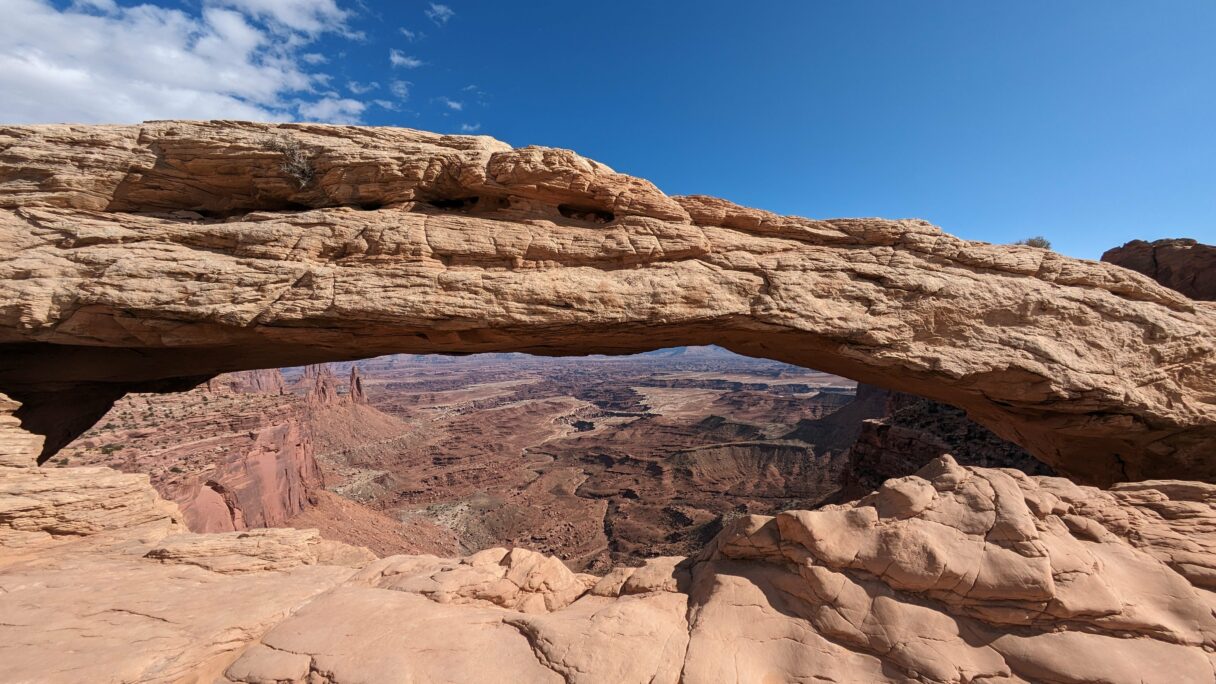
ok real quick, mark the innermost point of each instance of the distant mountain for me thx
(704, 352)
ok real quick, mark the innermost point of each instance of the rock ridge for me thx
(152, 257)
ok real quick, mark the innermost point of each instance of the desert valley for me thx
(597, 460)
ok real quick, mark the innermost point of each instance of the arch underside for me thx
(164, 254)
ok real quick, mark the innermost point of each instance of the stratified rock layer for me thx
(1181, 264)
(951, 575)
(152, 257)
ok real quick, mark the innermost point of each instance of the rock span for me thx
(153, 257)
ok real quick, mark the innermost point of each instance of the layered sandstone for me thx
(1181, 264)
(234, 455)
(151, 257)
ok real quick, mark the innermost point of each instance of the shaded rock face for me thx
(953, 575)
(911, 431)
(1180, 264)
(152, 257)
(235, 455)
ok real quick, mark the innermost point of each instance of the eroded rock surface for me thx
(951, 575)
(906, 432)
(1181, 264)
(151, 257)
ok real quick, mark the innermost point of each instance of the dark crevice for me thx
(582, 213)
(454, 203)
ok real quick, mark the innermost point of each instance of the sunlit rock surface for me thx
(151, 257)
(951, 575)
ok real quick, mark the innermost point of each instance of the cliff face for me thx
(234, 455)
(908, 432)
(239, 453)
(151, 257)
(1179, 264)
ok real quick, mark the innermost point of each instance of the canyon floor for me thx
(598, 460)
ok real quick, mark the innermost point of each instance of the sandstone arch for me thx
(152, 257)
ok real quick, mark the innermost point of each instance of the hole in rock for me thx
(455, 203)
(600, 460)
(589, 214)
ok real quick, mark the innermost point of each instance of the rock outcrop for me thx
(911, 431)
(262, 381)
(1180, 264)
(152, 257)
(951, 575)
(234, 455)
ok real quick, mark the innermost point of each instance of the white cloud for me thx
(399, 59)
(452, 104)
(412, 35)
(400, 89)
(314, 58)
(305, 16)
(333, 110)
(96, 61)
(386, 104)
(361, 88)
(440, 14)
(470, 128)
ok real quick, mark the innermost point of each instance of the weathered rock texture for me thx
(152, 257)
(1180, 264)
(910, 431)
(241, 453)
(951, 575)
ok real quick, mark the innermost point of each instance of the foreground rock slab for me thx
(152, 257)
(951, 575)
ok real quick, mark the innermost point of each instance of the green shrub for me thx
(1036, 241)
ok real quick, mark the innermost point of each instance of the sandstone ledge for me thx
(952, 575)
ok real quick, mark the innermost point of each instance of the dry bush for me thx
(1036, 241)
(297, 162)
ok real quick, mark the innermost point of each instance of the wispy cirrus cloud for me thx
(470, 128)
(401, 60)
(310, 17)
(400, 89)
(333, 110)
(440, 14)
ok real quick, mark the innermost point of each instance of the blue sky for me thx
(1091, 123)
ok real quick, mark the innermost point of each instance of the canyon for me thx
(596, 460)
(161, 258)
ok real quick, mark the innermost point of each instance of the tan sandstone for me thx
(152, 257)
(951, 575)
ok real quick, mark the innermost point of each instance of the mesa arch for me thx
(151, 257)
